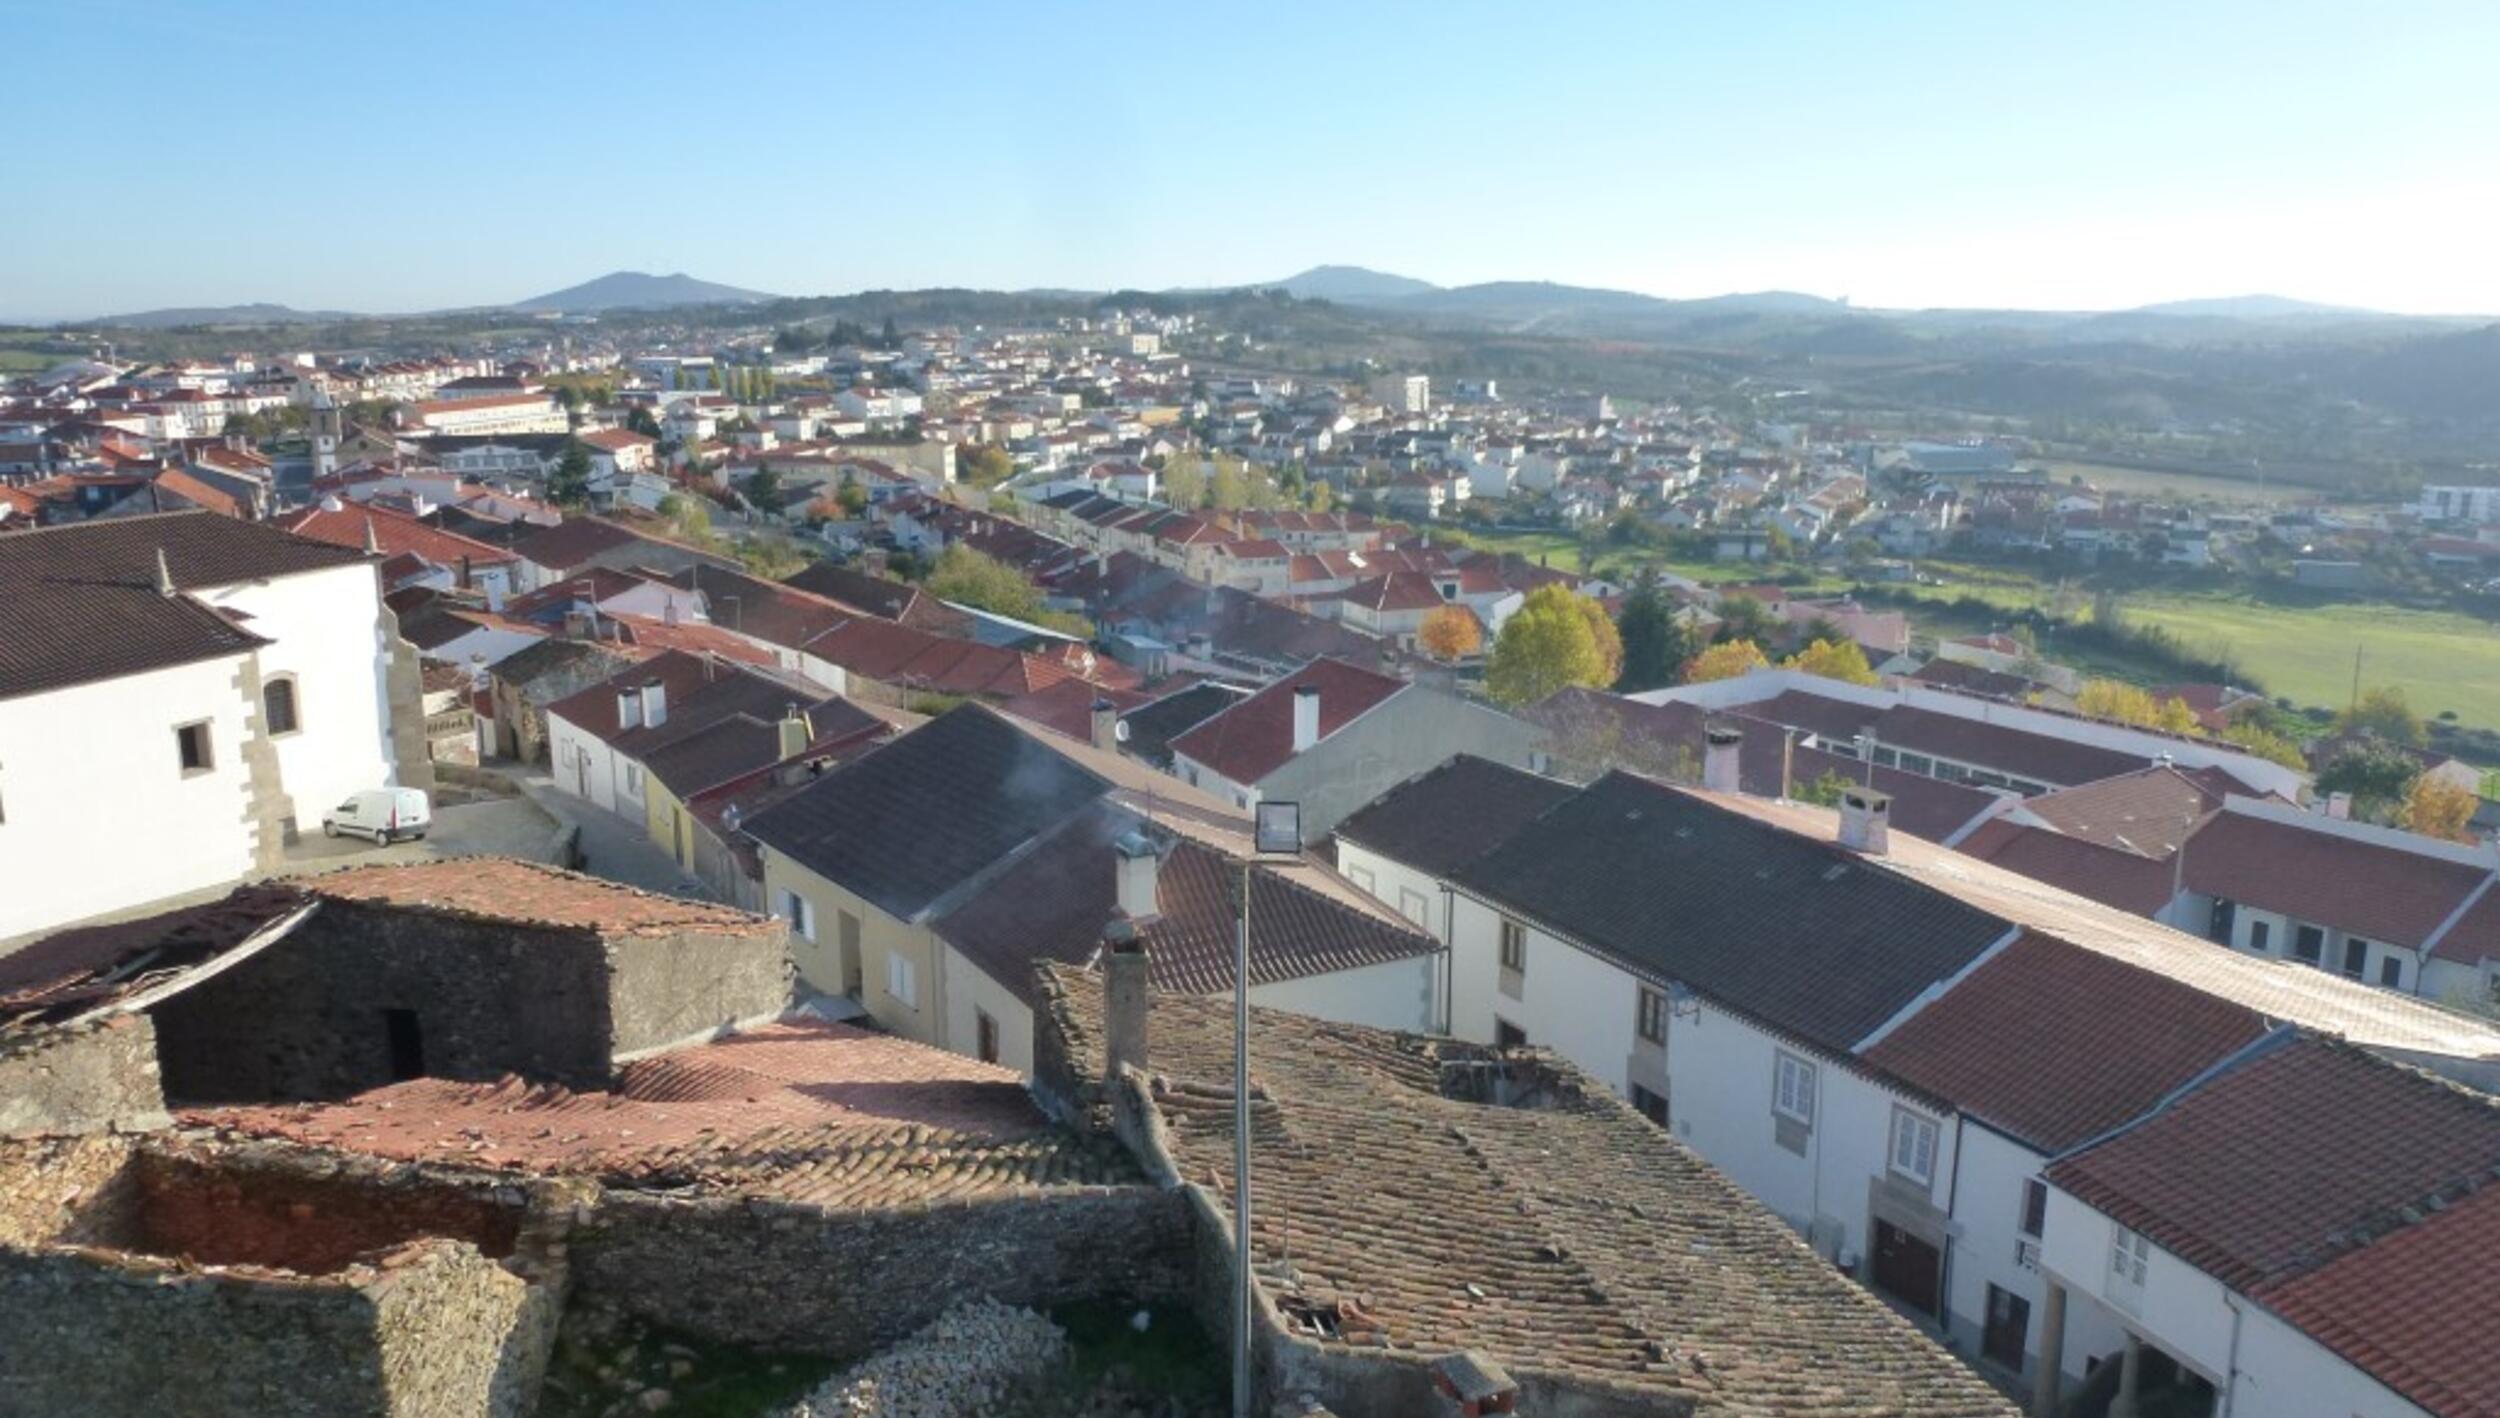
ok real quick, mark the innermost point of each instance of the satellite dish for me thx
(1119, 731)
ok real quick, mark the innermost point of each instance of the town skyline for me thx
(1953, 163)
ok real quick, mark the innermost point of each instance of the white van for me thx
(386, 815)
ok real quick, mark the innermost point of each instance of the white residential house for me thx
(182, 693)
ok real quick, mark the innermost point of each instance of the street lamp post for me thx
(1276, 833)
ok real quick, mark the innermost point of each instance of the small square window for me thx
(2391, 971)
(1514, 947)
(198, 754)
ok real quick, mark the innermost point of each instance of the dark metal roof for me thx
(1452, 815)
(930, 811)
(1801, 934)
(82, 602)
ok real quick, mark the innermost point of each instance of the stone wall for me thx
(178, 1276)
(78, 1191)
(81, 1078)
(308, 1018)
(273, 1205)
(665, 989)
(434, 1331)
(781, 1275)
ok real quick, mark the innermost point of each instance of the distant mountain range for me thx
(261, 313)
(638, 290)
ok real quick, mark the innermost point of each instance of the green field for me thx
(2442, 661)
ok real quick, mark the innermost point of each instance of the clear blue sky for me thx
(402, 156)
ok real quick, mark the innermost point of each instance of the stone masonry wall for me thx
(663, 989)
(68, 1191)
(306, 1018)
(81, 1078)
(778, 1275)
(424, 1335)
(274, 1207)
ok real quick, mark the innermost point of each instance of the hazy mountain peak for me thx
(2246, 307)
(640, 290)
(1352, 284)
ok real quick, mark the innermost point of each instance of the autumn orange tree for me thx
(1451, 633)
(2437, 809)
(1725, 660)
(1842, 660)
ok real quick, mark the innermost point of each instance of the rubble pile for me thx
(983, 1357)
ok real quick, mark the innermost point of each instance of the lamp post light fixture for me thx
(1276, 832)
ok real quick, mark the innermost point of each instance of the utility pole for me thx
(2355, 701)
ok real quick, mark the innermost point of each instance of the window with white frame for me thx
(1412, 905)
(902, 979)
(2129, 1254)
(801, 916)
(1913, 1147)
(1514, 947)
(1792, 1088)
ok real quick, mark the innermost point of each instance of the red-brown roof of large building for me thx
(2329, 877)
(396, 533)
(1255, 737)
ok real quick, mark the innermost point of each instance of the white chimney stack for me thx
(654, 704)
(1105, 734)
(629, 709)
(1305, 717)
(1135, 866)
(1866, 820)
(2339, 806)
(1720, 760)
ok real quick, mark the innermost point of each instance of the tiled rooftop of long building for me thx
(1571, 1239)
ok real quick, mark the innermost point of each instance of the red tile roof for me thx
(823, 1112)
(506, 889)
(2281, 1163)
(2107, 874)
(2418, 1310)
(1255, 737)
(2009, 1046)
(902, 656)
(396, 533)
(1068, 707)
(2146, 813)
(2328, 877)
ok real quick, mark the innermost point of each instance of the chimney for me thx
(1134, 866)
(1720, 758)
(373, 543)
(1866, 820)
(654, 704)
(1106, 726)
(628, 709)
(164, 574)
(668, 611)
(796, 733)
(1305, 717)
(2339, 806)
(1124, 991)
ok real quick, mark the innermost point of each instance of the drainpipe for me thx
(1944, 1267)
(2231, 1368)
(1449, 956)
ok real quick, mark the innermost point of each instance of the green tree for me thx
(970, 577)
(2255, 737)
(570, 487)
(639, 420)
(1184, 480)
(1321, 496)
(1553, 641)
(1824, 791)
(1655, 643)
(888, 336)
(1744, 618)
(2384, 712)
(764, 488)
(984, 464)
(2375, 773)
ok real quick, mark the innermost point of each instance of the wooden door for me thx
(1907, 1268)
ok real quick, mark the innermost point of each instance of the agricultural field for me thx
(2441, 660)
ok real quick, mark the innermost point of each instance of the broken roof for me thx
(1568, 1239)
(805, 1110)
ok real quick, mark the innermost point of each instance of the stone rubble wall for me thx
(975, 1358)
(81, 1078)
(75, 1191)
(786, 1275)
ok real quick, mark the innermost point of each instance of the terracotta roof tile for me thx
(507, 889)
(1255, 737)
(2285, 1161)
(1565, 1238)
(2330, 878)
(2010, 1046)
